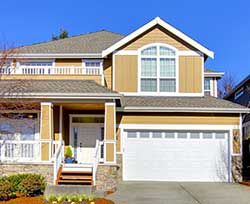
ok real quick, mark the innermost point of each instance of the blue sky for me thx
(221, 25)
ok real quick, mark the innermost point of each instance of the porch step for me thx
(75, 177)
(59, 190)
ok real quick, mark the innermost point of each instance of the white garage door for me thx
(176, 156)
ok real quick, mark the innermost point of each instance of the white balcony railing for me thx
(39, 70)
(12, 150)
(96, 159)
(58, 157)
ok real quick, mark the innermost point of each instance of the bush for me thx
(68, 152)
(5, 190)
(32, 185)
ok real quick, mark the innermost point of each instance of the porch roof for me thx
(55, 89)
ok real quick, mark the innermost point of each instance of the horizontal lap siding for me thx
(68, 62)
(179, 119)
(157, 35)
(190, 74)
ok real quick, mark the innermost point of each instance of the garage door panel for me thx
(175, 159)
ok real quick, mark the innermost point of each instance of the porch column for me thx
(46, 130)
(109, 133)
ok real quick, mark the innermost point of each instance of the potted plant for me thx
(68, 155)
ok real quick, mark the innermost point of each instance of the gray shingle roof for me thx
(179, 102)
(94, 42)
(53, 87)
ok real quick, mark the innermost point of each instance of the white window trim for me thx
(211, 86)
(238, 93)
(176, 57)
(101, 66)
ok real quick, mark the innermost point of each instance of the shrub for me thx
(5, 190)
(68, 152)
(32, 185)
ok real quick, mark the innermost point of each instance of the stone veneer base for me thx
(236, 169)
(46, 170)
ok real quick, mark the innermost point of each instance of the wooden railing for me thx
(96, 160)
(58, 157)
(39, 70)
(19, 151)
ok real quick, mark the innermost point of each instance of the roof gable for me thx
(154, 22)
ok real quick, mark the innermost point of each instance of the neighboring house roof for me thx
(55, 89)
(212, 73)
(237, 87)
(181, 104)
(90, 43)
(154, 22)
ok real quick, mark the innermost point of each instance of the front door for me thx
(85, 136)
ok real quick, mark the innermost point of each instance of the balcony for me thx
(38, 70)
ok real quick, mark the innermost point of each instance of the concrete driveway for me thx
(180, 193)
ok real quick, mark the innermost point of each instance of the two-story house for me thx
(137, 107)
(241, 95)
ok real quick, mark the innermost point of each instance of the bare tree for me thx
(226, 84)
(17, 116)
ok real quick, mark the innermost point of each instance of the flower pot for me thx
(69, 160)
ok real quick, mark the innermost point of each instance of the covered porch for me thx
(86, 123)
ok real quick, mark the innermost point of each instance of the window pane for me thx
(144, 134)
(195, 135)
(148, 67)
(148, 85)
(169, 135)
(92, 64)
(149, 51)
(219, 135)
(207, 135)
(182, 135)
(36, 63)
(166, 51)
(131, 134)
(167, 67)
(207, 84)
(156, 135)
(167, 85)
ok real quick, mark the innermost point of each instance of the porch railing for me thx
(39, 70)
(58, 157)
(15, 150)
(96, 160)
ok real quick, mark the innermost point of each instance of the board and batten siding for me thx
(190, 74)
(157, 34)
(107, 70)
(126, 74)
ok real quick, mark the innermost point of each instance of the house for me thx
(137, 107)
(241, 95)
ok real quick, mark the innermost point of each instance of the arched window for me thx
(158, 69)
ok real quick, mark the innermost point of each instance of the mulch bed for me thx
(39, 200)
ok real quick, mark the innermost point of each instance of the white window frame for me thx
(158, 57)
(210, 84)
(239, 93)
(97, 67)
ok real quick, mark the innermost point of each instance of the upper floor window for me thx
(239, 93)
(37, 63)
(207, 86)
(158, 69)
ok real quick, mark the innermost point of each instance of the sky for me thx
(223, 26)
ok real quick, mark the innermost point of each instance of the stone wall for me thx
(7, 169)
(236, 168)
(108, 176)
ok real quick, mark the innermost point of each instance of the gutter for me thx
(183, 109)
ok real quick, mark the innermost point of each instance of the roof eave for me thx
(184, 109)
(158, 21)
(214, 74)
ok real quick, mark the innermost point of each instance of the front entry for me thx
(84, 139)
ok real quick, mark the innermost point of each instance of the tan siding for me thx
(110, 154)
(190, 74)
(126, 73)
(189, 119)
(118, 140)
(107, 67)
(45, 152)
(109, 126)
(45, 122)
(96, 78)
(56, 122)
(157, 35)
(68, 62)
